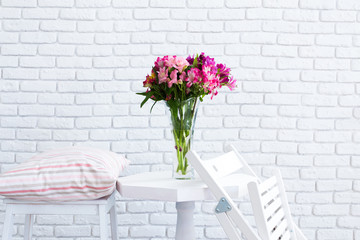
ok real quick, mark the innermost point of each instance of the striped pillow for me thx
(70, 174)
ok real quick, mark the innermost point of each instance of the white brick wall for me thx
(70, 69)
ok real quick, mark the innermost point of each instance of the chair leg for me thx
(103, 222)
(113, 222)
(8, 224)
(29, 219)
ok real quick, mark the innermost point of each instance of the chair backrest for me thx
(232, 220)
(271, 210)
(211, 171)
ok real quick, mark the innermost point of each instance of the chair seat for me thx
(100, 207)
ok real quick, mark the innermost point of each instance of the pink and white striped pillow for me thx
(70, 174)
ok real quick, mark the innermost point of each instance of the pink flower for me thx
(181, 63)
(163, 75)
(173, 77)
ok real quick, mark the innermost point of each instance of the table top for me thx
(161, 186)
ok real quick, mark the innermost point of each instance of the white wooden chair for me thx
(271, 210)
(98, 207)
(227, 212)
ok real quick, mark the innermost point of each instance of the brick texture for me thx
(70, 70)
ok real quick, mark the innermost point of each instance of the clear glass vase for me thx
(182, 117)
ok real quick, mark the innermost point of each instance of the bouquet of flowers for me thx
(177, 78)
(181, 82)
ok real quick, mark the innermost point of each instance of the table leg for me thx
(185, 229)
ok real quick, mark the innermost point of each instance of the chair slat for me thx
(280, 230)
(223, 165)
(270, 209)
(286, 236)
(267, 184)
(269, 195)
(276, 218)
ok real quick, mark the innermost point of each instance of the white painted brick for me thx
(318, 76)
(6, 37)
(197, 26)
(76, 38)
(336, 88)
(332, 185)
(73, 111)
(333, 40)
(20, 25)
(295, 39)
(187, 14)
(336, 64)
(18, 146)
(243, 26)
(58, 74)
(18, 50)
(55, 98)
(241, 122)
(78, 14)
(320, 198)
(296, 111)
(74, 135)
(131, 26)
(346, 197)
(72, 231)
(94, 74)
(258, 134)
(242, 4)
(295, 135)
(347, 28)
(330, 210)
(225, 134)
(93, 3)
(93, 122)
(131, 147)
(178, 38)
(316, 148)
(46, 62)
(278, 147)
(264, 13)
(332, 136)
(73, 62)
(317, 28)
(19, 3)
(281, 75)
(205, 4)
(315, 124)
(330, 112)
(279, 51)
(282, 99)
(150, 231)
(130, 3)
(301, 15)
(50, 3)
(56, 50)
(319, 100)
(36, 110)
(226, 14)
(311, 52)
(258, 62)
(263, 38)
(258, 110)
(218, 38)
(332, 161)
(332, 234)
(132, 50)
(317, 4)
(96, 98)
(95, 26)
(327, 173)
(52, 123)
(278, 122)
(20, 73)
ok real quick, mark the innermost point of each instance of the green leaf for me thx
(152, 106)
(144, 101)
